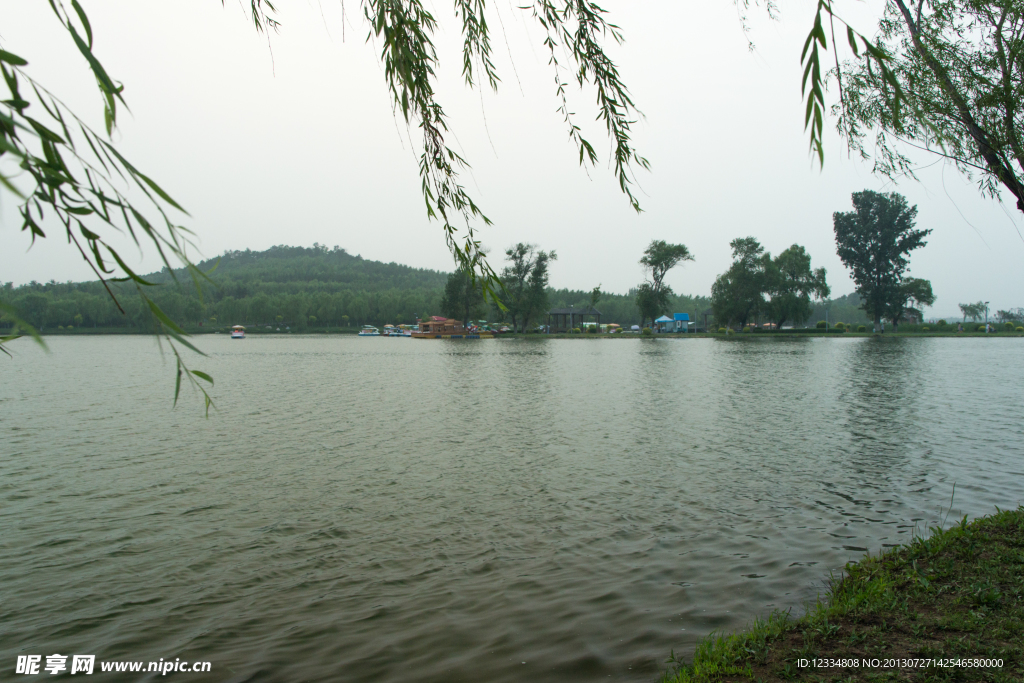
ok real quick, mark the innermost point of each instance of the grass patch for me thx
(958, 594)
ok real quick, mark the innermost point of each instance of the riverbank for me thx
(956, 597)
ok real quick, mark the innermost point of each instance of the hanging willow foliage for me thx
(73, 169)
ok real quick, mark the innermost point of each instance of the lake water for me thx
(510, 510)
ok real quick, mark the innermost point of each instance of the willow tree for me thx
(959, 70)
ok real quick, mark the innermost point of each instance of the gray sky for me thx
(297, 144)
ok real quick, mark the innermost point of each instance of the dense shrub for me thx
(592, 329)
(822, 325)
(721, 330)
(841, 326)
(747, 329)
(1008, 326)
(862, 328)
(924, 329)
(980, 328)
(1020, 329)
(575, 330)
(942, 323)
(646, 332)
(811, 330)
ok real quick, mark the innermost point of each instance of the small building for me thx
(438, 325)
(665, 324)
(565, 319)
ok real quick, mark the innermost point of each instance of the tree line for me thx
(303, 287)
(874, 241)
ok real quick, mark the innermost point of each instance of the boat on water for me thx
(437, 327)
(238, 332)
(369, 331)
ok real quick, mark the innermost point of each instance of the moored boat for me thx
(369, 331)
(437, 327)
(238, 332)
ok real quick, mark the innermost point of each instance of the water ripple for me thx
(543, 510)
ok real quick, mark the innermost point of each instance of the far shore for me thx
(333, 331)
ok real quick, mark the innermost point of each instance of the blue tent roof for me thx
(682, 316)
(664, 319)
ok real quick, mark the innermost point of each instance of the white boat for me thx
(238, 332)
(369, 331)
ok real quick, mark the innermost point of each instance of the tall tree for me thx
(790, 284)
(954, 87)
(914, 294)
(738, 293)
(659, 258)
(462, 296)
(874, 241)
(525, 281)
(650, 302)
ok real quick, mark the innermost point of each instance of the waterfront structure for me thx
(565, 319)
(437, 327)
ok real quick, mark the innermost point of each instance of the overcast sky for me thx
(296, 143)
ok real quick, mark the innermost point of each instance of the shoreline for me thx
(949, 607)
(90, 331)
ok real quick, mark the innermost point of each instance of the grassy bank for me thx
(958, 595)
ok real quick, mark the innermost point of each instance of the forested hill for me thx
(294, 269)
(282, 285)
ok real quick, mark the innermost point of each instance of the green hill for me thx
(282, 285)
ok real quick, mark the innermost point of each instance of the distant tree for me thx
(650, 302)
(1011, 315)
(790, 284)
(525, 282)
(914, 294)
(344, 320)
(738, 293)
(462, 297)
(659, 258)
(974, 311)
(193, 310)
(78, 319)
(874, 241)
(595, 296)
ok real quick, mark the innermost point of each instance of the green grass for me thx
(957, 594)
